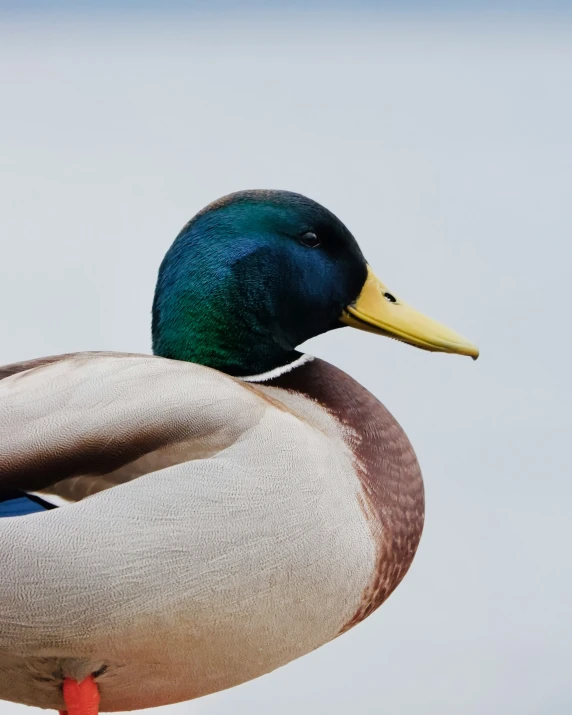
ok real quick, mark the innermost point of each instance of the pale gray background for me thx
(444, 144)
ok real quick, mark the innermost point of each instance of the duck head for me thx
(257, 273)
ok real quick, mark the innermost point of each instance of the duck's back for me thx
(247, 524)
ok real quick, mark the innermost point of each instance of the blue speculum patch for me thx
(20, 504)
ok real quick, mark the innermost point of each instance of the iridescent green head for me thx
(250, 278)
(257, 273)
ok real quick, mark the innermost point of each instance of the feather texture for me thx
(248, 524)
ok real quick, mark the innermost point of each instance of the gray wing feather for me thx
(73, 425)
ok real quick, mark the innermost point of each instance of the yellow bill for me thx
(377, 310)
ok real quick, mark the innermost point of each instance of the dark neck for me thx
(233, 347)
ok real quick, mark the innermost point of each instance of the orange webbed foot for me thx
(81, 698)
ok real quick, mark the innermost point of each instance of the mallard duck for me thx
(190, 520)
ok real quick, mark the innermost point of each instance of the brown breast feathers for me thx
(386, 465)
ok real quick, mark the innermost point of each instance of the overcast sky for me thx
(445, 146)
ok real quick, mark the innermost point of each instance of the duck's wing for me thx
(74, 425)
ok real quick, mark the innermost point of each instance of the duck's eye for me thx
(390, 298)
(309, 239)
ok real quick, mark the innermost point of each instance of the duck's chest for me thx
(384, 466)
